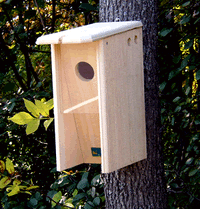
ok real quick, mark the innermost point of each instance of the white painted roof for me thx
(88, 33)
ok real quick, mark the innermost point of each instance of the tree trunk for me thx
(142, 184)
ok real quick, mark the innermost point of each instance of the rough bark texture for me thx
(142, 184)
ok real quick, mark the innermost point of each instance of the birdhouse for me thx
(98, 94)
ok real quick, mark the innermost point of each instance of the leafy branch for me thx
(11, 176)
(39, 111)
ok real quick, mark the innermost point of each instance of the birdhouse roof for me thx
(88, 33)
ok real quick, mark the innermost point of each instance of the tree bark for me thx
(141, 185)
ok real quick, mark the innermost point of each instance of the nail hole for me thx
(129, 41)
(84, 71)
(136, 39)
(106, 43)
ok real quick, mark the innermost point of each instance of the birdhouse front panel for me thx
(79, 78)
(76, 107)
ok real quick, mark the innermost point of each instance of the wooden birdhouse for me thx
(98, 94)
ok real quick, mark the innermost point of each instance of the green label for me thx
(96, 151)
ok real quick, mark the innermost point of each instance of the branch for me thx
(38, 9)
(59, 203)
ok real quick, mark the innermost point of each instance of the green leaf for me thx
(32, 187)
(33, 202)
(176, 99)
(9, 166)
(97, 201)
(185, 19)
(4, 182)
(75, 193)
(187, 90)
(79, 197)
(57, 197)
(21, 118)
(14, 190)
(2, 166)
(96, 180)
(178, 108)
(16, 182)
(186, 4)
(47, 123)
(189, 44)
(185, 62)
(49, 104)
(197, 122)
(193, 172)
(32, 108)
(42, 107)
(189, 161)
(83, 183)
(198, 75)
(32, 126)
(89, 205)
(162, 86)
(85, 175)
(165, 32)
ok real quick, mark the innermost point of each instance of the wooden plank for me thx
(68, 151)
(121, 93)
(76, 109)
(89, 134)
(78, 89)
(88, 33)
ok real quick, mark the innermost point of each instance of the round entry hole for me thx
(84, 71)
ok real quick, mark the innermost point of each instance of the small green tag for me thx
(96, 152)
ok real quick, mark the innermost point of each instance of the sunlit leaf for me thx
(42, 107)
(32, 187)
(15, 190)
(47, 123)
(2, 166)
(49, 104)
(57, 197)
(21, 118)
(16, 182)
(9, 166)
(32, 126)
(4, 182)
(32, 108)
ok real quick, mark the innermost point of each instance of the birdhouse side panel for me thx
(122, 112)
(68, 151)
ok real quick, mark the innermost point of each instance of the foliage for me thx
(26, 77)
(179, 41)
(72, 189)
(39, 110)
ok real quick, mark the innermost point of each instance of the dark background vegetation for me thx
(25, 72)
